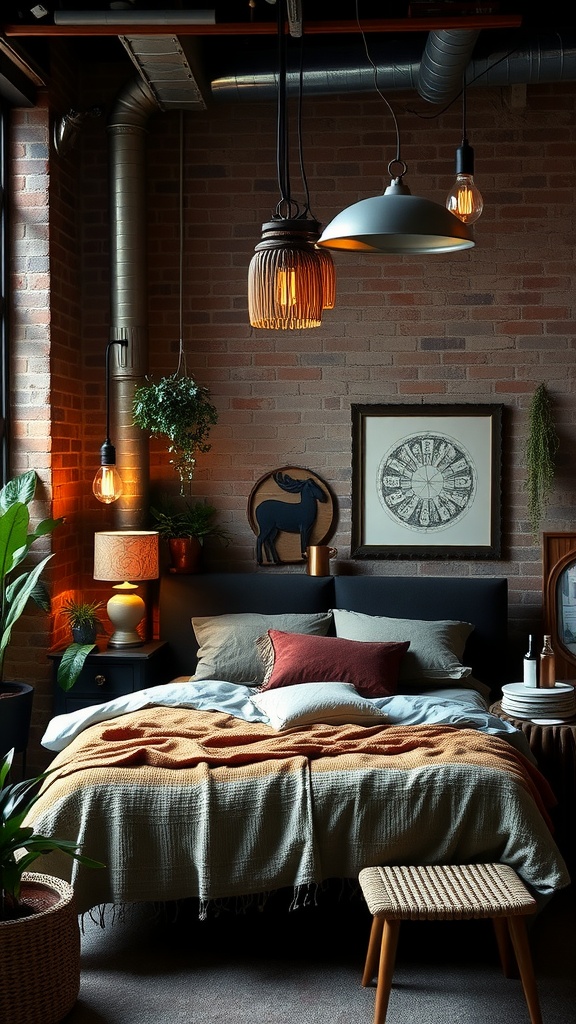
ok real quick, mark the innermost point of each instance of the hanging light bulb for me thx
(107, 484)
(464, 198)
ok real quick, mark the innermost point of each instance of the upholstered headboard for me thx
(479, 600)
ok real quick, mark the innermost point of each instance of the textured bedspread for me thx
(182, 803)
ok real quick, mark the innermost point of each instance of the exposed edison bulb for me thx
(107, 485)
(464, 199)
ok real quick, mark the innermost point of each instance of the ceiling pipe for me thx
(444, 61)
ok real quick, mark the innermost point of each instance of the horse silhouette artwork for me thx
(274, 516)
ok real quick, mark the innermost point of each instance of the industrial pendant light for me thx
(107, 484)
(290, 281)
(396, 222)
(464, 198)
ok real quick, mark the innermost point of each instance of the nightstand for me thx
(554, 747)
(112, 673)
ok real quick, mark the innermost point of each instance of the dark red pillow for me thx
(291, 658)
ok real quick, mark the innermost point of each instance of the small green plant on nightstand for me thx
(86, 625)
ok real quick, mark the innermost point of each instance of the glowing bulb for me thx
(286, 289)
(107, 485)
(464, 199)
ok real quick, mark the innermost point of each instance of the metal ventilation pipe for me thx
(129, 315)
(446, 56)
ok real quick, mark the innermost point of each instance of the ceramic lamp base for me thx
(125, 611)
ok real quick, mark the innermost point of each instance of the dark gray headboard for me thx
(482, 601)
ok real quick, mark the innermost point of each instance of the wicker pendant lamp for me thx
(290, 281)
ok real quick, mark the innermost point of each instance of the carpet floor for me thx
(275, 966)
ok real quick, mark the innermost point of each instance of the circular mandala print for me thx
(427, 481)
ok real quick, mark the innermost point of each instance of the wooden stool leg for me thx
(519, 936)
(388, 949)
(505, 950)
(373, 953)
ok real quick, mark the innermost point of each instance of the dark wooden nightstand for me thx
(112, 673)
(554, 747)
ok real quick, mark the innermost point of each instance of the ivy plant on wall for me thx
(541, 449)
(178, 408)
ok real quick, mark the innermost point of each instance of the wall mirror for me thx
(559, 598)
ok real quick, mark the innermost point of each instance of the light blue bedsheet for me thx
(465, 709)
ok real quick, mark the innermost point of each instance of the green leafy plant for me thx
(83, 618)
(178, 408)
(541, 449)
(15, 543)
(20, 845)
(192, 519)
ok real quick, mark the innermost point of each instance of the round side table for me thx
(554, 747)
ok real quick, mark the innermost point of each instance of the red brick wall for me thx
(484, 326)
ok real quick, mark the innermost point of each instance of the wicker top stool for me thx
(447, 892)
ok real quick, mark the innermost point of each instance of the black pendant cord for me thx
(115, 341)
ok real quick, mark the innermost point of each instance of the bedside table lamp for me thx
(131, 556)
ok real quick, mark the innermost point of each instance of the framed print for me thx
(426, 481)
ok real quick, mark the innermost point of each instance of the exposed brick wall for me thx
(483, 326)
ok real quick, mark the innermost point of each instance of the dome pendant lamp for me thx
(290, 281)
(397, 223)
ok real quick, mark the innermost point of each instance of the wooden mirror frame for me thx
(558, 554)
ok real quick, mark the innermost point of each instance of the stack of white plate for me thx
(547, 705)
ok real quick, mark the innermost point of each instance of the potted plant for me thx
(178, 408)
(39, 933)
(185, 527)
(85, 624)
(16, 589)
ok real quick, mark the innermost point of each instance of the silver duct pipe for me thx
(550, 58)
(129, 308)
(444, 61)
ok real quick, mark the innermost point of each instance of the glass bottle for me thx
(530, 664)
(547, 665)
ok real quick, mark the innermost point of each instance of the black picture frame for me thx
(426, 481)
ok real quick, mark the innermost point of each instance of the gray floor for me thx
(304, 967)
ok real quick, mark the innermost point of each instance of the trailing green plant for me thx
(190, 519)
(541, 449)
(15, 543)
(82, 616)
(178, 408)
(20, 845)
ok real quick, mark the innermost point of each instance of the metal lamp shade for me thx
(131, 556)
(397, 223)
(285, 282)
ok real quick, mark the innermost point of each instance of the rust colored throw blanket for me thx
(182, 803)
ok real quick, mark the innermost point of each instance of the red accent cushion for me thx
(373, 668)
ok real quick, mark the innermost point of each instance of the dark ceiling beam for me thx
(492, 21)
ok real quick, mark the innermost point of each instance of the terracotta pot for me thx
(40, 954)
(185, 554)
(15, 713)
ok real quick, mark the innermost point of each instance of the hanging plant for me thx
(176, 407)
(541, 450)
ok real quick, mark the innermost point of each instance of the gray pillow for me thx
(227, 643)
(436, 647)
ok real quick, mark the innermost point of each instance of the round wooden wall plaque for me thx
(288, 507)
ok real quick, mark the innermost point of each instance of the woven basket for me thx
(40, 956)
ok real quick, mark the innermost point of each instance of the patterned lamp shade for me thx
(129, 555)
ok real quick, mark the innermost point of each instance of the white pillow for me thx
(312, 703)
(227, 643)
(436, 647)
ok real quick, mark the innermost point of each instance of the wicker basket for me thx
(40, 956)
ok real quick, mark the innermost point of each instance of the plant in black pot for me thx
(39, 932)
(16, 589)
(185, 526)
(85, 625)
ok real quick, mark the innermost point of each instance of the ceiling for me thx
(234, 50)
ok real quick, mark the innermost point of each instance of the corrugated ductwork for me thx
(330, 71)
(129, 307)
(444, 61)
(170, 68)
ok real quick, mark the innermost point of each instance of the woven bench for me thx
(448, 893)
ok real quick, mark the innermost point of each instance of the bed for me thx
(313, 726)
